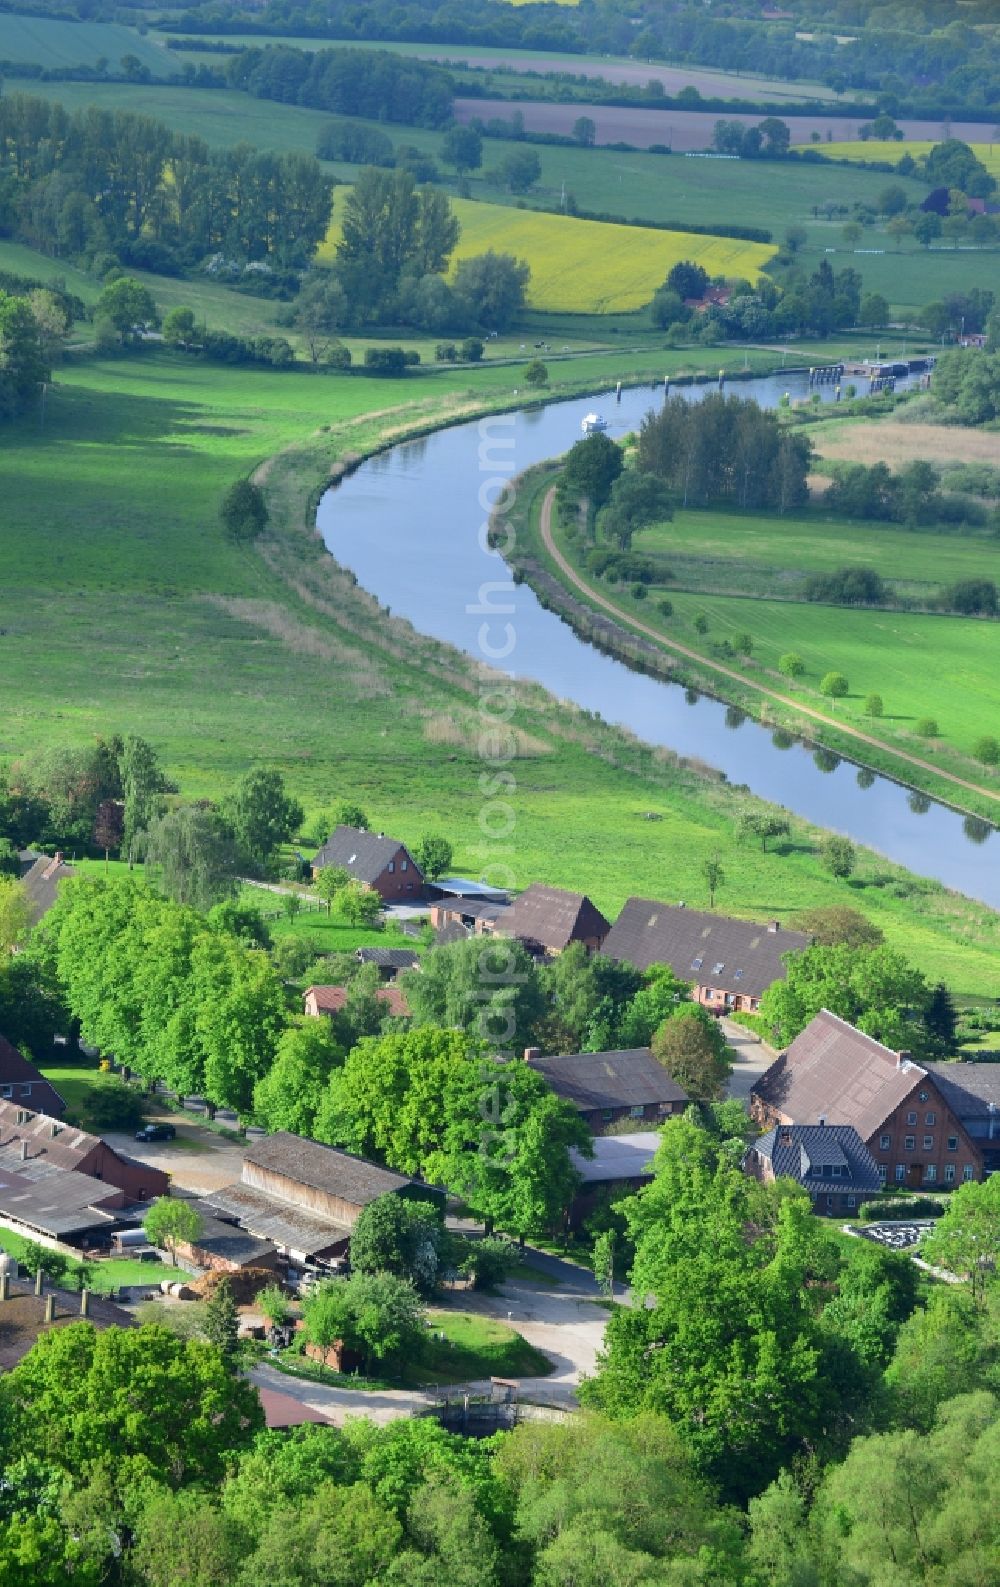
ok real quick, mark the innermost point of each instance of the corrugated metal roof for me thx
(55, 1202)
(617, 1157)
(328, 1168)
(737, 956)
(287, 1226)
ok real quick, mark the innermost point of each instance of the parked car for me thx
(156, 1132)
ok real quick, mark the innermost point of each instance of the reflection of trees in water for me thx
(825, 760)
(919, 803)
(865, 777)
(735, 717)
(782, 739)
(691, 696)
(976, 830)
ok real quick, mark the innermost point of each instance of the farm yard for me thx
(581, 266)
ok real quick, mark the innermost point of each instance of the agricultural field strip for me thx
(42, 41)
(891, 152)
(582, 265)
(732, 673)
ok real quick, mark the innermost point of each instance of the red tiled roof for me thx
(333, 999)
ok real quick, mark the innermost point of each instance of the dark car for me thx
(156, 1132)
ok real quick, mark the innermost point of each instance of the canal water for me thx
(409, 524)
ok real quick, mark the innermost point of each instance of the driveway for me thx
(198, 1160)
(750, 1058)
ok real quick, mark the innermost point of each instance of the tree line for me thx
(374, 84)
(106, 185)
(928, 59)
(724, 449)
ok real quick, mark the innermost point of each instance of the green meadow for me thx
(123, 608)
(58, 45)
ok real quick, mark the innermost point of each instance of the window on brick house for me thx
(967, 1172)
(949, 1173)
(930, 1118)
(930, 1174)
(884, 1141)
(928, 1143)
(953, 1143)
(909, 1142)
(911, 1118)
(900, 1173)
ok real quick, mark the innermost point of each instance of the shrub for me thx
(243, 512)
(385, 361)
(471, 350)
(834, 685)
(701, 624)
(873, 705)
(665, 607)
(971, 597)
(487, 1262)
(791, 664)
(987, 750)
(446, 352)
(638, 592)
(927, 727)
(848, 587)
(337, 357)
(743, 644)
(536, 374)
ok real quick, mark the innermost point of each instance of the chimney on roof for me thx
(54, 1128)
(903, 1057)
(24, 1151)
(532, 1054)
(822, 1121)
(774, 925)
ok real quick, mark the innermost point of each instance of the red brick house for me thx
(383, 864)
(730, 962)
(834, 1074)
(37, 1140)
(22, 1083)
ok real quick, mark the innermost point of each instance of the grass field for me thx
(54, 45)
(122, 608)
(710, 82)
(580, 266)
(641, 187)
(891, 152)
(894, 443)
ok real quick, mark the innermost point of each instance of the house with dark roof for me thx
(331, 1000)
(830, 1161)
(381, 863)
(548, 919)
(22, 1083)
(835, 1074)
(731, 963)
(972, 1091)
(41, 883)
(607, 1087)
(389, 961)
(305, 1198)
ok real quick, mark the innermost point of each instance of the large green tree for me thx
(489, 987)
(261, 813)
(873, 988)
(726, 1345)
(192, 856)
(289, 1094)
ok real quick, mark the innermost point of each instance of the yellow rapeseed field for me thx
(892, 151)
(586, 266)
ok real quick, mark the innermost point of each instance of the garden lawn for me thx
(474, 1347)
(109, 1273)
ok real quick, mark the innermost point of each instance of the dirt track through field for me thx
(545, 524)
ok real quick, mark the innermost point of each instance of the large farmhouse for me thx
(304, 1198)
(730, 962)
(833, 1074)
(379, 862)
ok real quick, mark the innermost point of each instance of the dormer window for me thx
(696, 964)
(717, 969)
